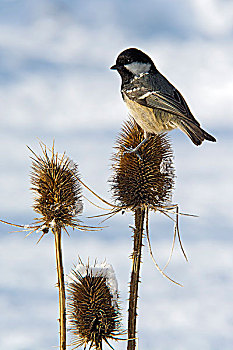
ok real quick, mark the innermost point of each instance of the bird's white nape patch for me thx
(138, 68)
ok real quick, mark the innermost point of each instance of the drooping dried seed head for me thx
(93, 310)
(56, 188)
(142, 182)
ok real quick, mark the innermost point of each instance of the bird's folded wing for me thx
(174, 105)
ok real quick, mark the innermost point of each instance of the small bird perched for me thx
(155, 104)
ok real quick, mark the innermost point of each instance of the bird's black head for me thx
(133, 62)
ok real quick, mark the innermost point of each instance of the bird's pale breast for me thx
(151, 120)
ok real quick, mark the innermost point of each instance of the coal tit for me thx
(155, 104)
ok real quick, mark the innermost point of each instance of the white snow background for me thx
(55, 83)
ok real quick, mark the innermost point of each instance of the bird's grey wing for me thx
(171, 103)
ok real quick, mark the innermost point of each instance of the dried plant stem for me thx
(61, 287)
(133, 294)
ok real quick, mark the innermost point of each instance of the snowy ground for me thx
(199, 315)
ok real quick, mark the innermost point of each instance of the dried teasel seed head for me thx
(93, 311)
(56, 188)
(142, 182)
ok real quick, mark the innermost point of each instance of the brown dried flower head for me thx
(93, 310)
(57, 190)
(147, 181)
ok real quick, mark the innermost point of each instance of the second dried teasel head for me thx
(146, 180)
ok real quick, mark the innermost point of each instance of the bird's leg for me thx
(135, 150)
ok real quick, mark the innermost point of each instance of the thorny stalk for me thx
(61, 286)
(136, 261)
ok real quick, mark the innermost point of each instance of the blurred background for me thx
(55, 84)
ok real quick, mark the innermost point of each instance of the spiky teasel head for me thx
(56, 188)
(93, 310)
(147, 181)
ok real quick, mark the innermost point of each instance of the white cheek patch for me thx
(138, 68)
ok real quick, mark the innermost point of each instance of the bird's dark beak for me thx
(114, 67)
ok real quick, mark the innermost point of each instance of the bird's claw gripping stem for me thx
(132, 150)
(135, 150)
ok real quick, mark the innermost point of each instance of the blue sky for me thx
(55, 83)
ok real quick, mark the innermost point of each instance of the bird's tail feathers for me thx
(195, 132)
(208, 136)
